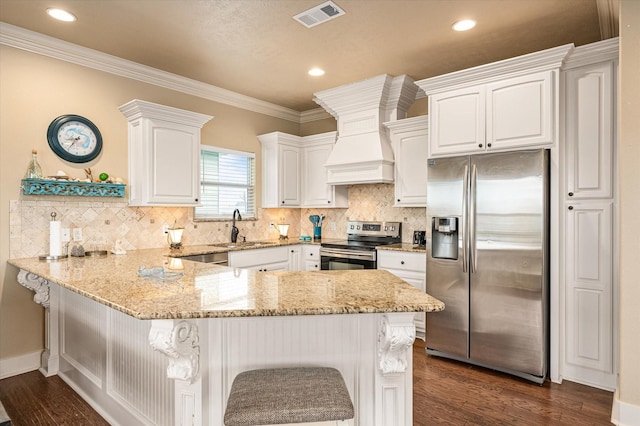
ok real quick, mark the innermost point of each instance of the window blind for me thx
(227, 180)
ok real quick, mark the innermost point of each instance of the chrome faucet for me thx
(234, 229)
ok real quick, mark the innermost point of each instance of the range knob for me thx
(386, 228)
(350, 226)
(393, 228)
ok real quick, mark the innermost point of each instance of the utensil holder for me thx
(317, 232)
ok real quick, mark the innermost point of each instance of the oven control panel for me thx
(383, 229)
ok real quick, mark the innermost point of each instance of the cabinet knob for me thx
(398, 199)
(570, 207)
(291, 251)
(479, 145)
(488, 145)
(571, 194)
(402, 262)
(310, 254)
(329, 201)
(196, 200)
(283, 202)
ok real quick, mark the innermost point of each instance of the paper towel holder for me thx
(49, 257)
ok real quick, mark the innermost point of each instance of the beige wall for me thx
(35, 90)
(629, 120)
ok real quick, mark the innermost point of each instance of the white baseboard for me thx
(624, 414)
(20, 364)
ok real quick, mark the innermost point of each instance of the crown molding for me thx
(41, 44)
(314, 115)
(544, 60)
(609, 18)
(601, 51)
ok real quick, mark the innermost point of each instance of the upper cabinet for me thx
(280, 170)
(590, 130)
(293, 172)
(164, 154)
(409, 139)
(506, 105)
(315, 190)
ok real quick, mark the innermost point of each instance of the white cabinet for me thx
(508, 114)
(164, 154)
(457, 122)
(266, 259)
(311, 257)
(315, 190)
(589, 229)
(295, 257)
(410, 139)
(293, 172)
(411, 267)
(506, 105)
(589, 293)
(280, 170)
(589, 131)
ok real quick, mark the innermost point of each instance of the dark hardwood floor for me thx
(455, 393)
(444, 392)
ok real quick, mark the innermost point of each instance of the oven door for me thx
(345, 259)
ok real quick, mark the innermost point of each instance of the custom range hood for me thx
(362, 153)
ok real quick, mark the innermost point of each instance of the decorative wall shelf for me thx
(65, 187)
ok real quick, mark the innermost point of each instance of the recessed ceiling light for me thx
(464, 25)
(61, 15)
(316, 72)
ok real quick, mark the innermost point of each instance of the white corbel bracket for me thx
(396, 335)
(37, 284)
(178, 341)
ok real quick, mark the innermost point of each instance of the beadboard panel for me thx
(137, 376)
(82, 329)
(302, 341)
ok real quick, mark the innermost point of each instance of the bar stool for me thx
(288, 395)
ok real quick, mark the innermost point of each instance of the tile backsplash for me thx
(105, 221)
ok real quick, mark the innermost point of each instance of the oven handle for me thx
(347, 254)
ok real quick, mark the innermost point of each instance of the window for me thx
(227, 180)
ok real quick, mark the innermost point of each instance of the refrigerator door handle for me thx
(473, 253)
(465, 201)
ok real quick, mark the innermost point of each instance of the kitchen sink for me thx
(243, 244)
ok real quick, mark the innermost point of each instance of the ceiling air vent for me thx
(319, 14)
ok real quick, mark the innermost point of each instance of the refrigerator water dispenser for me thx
(444, 238)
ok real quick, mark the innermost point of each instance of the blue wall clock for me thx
(74, 138)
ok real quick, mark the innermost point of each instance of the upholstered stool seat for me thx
(288, 395)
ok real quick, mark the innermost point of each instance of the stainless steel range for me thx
(358, 251)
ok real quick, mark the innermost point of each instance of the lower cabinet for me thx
(295, 258)
(311, 257)
(266, 259)
(589, 294)
(411, 267)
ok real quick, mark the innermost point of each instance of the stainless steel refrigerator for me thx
(487, 260)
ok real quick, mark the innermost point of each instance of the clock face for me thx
(74, 138)
(77, 139)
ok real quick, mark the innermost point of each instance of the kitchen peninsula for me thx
(143, 350)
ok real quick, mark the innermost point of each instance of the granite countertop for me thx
(403, 247)
(226, 247)
(213, 291)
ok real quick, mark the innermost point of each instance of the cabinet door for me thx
(311, 256)
(589, 130)
(289, 172)
(316, 192)
(457, 122)
(174, 167)
(410, 152)
(589, 293)
(295, 258)
(520, 112)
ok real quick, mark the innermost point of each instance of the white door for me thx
(457, 122)
(589, 294)
(589, 130)
(289, 175)
(520, 112)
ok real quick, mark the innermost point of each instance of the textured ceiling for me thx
(255, 48)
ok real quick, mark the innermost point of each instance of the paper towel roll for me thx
(55, 238)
